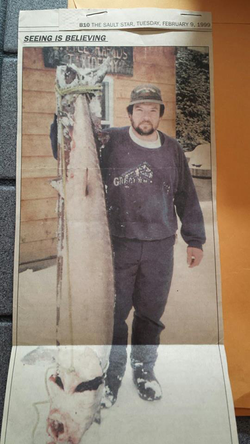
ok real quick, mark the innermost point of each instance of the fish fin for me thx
(39, 356)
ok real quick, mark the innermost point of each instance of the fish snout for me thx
(57, 427)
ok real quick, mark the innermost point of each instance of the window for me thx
(107, 102)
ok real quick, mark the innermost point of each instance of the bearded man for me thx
(147, 181)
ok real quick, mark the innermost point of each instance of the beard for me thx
(142, 132)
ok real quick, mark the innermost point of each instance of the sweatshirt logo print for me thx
(141, 174)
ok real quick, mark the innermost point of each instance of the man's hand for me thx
(194, 256)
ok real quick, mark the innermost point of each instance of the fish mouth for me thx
(61, 429)
(57, 428)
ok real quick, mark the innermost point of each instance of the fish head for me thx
(75, 395)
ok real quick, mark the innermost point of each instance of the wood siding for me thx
(38, 236)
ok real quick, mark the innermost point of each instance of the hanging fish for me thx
(85, 280)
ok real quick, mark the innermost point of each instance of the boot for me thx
(111, 389)
(143, 358)
(115, 373)
(146, 384)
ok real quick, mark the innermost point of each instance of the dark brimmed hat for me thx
(146, 93)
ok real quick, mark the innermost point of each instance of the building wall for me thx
(38, 238)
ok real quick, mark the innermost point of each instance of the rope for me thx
(84, 89)
(35, 404)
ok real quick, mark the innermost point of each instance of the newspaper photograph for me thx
(117, 306)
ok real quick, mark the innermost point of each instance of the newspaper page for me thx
(117, 306)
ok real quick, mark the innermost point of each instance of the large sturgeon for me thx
(85, 282)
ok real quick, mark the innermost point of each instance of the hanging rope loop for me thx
(80, 89)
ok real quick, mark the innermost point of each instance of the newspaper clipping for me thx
(117, 307)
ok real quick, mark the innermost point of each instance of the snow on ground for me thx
(193, 408)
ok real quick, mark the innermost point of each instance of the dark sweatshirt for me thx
(145, 187)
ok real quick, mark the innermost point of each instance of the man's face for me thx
(145, 118)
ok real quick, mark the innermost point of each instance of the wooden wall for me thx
(38, 240)
(38, 198)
